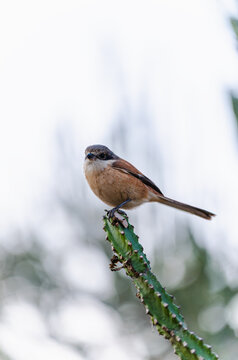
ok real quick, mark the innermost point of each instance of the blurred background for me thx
(157, 82)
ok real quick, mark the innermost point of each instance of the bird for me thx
(121, 186)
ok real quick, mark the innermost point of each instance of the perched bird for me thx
(119, 184)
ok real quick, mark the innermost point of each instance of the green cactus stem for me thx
(159, 305)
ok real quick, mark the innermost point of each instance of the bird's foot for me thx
(111, 213)
(117, 216)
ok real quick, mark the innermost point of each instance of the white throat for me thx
(92, 167)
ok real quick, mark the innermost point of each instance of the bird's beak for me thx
(89, 156)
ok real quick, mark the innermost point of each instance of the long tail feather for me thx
(185, 207)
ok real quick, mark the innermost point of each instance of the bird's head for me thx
(99, 153)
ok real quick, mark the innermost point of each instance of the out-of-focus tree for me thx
(234, 98)
(54, 267)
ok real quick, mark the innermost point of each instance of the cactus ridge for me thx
(159, 304)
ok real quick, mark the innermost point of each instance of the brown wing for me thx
(126, 167)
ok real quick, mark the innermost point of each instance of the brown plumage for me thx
(119, 184)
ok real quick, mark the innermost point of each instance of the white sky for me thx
(63, 62)
(70, 60)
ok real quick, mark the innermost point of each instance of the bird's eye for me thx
(102, 156)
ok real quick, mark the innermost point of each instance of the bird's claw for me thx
(121, 212)
(111, 213)
(117, 216)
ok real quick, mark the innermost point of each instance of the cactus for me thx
(159, 305)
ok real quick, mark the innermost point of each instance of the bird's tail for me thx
(185, 207)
